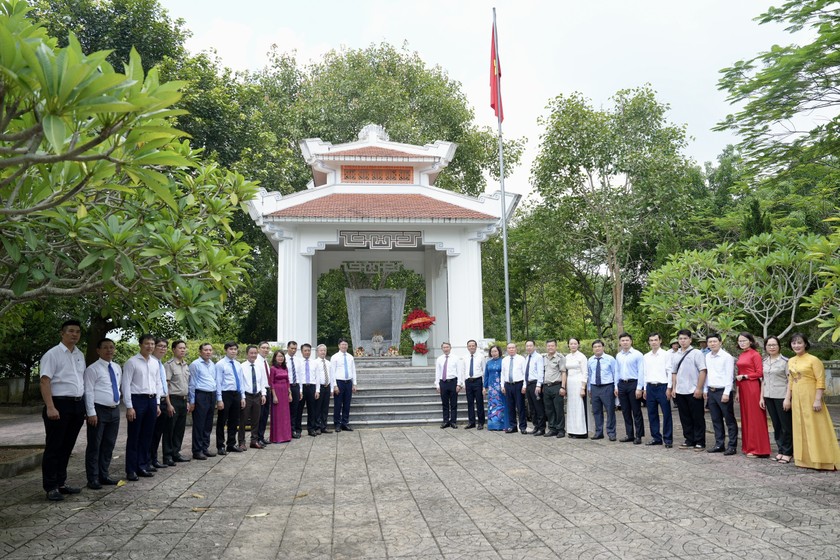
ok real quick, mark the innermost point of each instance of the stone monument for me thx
(375, 318)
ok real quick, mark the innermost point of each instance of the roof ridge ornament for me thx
(372, 132)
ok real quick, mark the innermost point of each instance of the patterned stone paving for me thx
(430, 493)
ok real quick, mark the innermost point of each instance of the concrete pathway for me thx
(430, 493)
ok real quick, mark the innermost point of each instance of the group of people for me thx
(554, 388)
(158, 396)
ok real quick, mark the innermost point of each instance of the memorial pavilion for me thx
(372, 206)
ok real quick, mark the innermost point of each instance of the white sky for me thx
(546, 48)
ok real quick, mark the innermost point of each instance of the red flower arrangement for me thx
(418, 320)
(420, 348)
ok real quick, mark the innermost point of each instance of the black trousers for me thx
(205, 402)
(554, 404)
(692, 419)
(341, 402)
(173, 437)
(139, 433)
(265, 413)
(631, 409)
(163, 424)
(295, 407)
(515, 401)
(228, 417)
(313, 406)
(603, 399)
(61, 437)
(325, 406)
(535, 402)
(475, 399)
(782, 425)
(723, 412)
(250, 416)
(449, 400)
(101, 440)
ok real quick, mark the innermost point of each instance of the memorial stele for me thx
(372, 204)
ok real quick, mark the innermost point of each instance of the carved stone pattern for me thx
(380, 239)
(372, 267)
(377, 174)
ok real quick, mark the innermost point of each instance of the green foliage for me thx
(826, 298)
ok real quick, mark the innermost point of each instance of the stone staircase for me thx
(392, 393)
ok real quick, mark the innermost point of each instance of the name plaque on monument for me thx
(375, 316)
(375, 312)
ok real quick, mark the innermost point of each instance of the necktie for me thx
(307, 371)
(510, 370)
(236, 377)
(471, 365)
(597, 371)
(527, 369)
(253, 379)
(294, 372)
(346, 372)
(445, 363)
(114, 388)
(326, 372)
(267, 371)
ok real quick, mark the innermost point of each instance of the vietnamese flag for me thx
(495, 78)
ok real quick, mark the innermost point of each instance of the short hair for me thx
(554, 340)
(802, 337)
(571, 338)
(203, 344)
(713, 335)
(158, 340)
(445, 343)
(685, 332)
(531, 341)
(625, 335)
(509, 344)
(344, 340)
(751, 338)
(490, 351)
(471, 340)
(772, 337)
(144, 337)
(656, 334)
(231, 344)
(306, 345)
(248, 348)
(599, 341)
(264, 342)
(291, 343)
(103, 341)
(177, 342)
(71, 323)
(324, 346)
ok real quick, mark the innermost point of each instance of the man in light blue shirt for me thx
(631, 383)
(603, 388)
(202, 398)
(231, 392)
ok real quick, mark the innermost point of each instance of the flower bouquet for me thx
(420, 348)
(418, 320)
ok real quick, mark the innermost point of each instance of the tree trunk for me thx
(99, 328)
(617, 289)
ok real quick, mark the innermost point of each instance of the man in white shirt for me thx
(310, 388)
(513, 378)
(141, 391)
(164, 422)
(534, 373)
(62, 388)
(253, 383)
(102, 402)
(449, 380)
(295, 364)
(658, 392)
(343, 373)
(229, 383)
(326, 389)
(474, 384)
(720, 367)
(262, 362)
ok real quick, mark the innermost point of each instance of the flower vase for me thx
(419, 360)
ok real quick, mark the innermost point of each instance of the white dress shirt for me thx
(316, 375)
(262, 363)
(247, 378)
(454, 369)
(658, 367)
(535, 367)
(518, 368)
(337, 370)
(65, 369)
(479, 363)
(325, 368)
(295, 365)
(720, 371)
(141, 376)
(98, 389)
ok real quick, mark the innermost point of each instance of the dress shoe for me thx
(54, 496)
(199, 456)
(653, 442)
(729, 452)
(256, 445)
(715, 450)
(699, 448)
(538, 433)
(94, 485)
(669, 445)
(612, 439)
(626, 439)
(313, 433)
(686, 446)
(337, 429)
(481, 426)
(233, 449)
(560, 435)
(158, 465)
(511, 430)
(444, 425)
(469, 426)
(265, 443)
(69, 489)
(152, 468)
(170, 463)
(597, 437)
(295, 435)
(132, 477)
(107, 481)
(145, 474)
(453, 425)
(209, 453)
(346, 428)
(221, 451)
(551, 433)
(326, 431)
(637, 441)
(525, 432)
(181, 459)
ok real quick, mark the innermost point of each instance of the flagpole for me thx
(502, 181)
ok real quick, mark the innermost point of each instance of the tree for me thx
(826, 298)
(99, 197)
(611, 177)
(779, 89)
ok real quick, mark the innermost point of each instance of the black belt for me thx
(448, 380)
(628, 380)
(656, 384)
(247, 394)
(552, 384)
(106, 405)
(603, 385)
(152, 396)
(310, 384)
(62, 398)
(713, 389)
(479, 378)
(184, 397)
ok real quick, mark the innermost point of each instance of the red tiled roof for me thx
(371, 151)
(380, 206)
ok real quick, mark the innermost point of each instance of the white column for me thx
(436, 298)
(295, 293)
(466, 315)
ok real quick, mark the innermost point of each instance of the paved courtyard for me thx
(430, 493)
